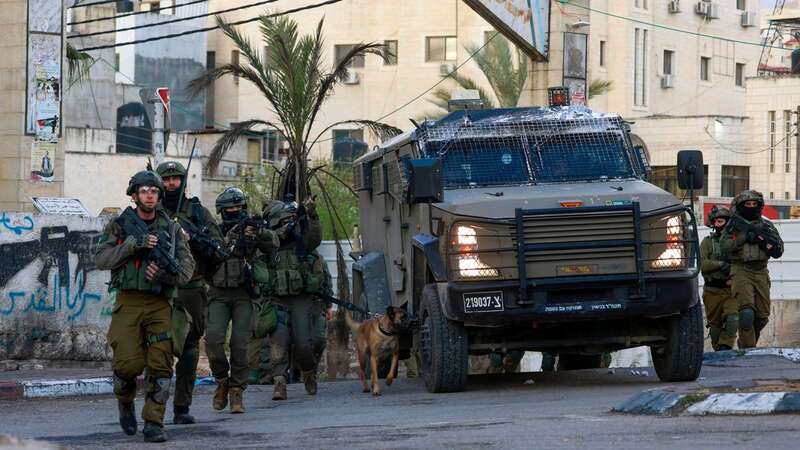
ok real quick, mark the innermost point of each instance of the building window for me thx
(341, 52)
(602, 53)
(235, 62)
(786, 196)
(705, 62)
(116, 61)
(668, 58)
(357, 134)
(390, 53)
(641, 4)
(741, 5)
(787, 140)
(640, 67)
(740, 74)
(666, 177)
(735, 179)
(772, 129)
(273, 146)
(440, 48)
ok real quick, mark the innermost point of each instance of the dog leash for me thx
(344, 304)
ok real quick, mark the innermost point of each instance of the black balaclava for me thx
(229, 220)
(170, 200)
(753, 213)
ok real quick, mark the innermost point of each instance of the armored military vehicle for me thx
(529, 229)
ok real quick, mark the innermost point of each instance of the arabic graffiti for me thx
(16, 225)
(49, 301)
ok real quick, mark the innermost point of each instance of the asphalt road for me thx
(565, 410)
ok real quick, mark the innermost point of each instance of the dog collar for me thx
(386, 333)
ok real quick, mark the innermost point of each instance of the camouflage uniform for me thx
(749, 274)
(140, 330)
(299, 273)
(722, 310)
(192, 297)
(231, 298)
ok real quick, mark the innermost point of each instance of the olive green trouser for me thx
(301, 329)
(139, 336)
(722, 316)
(750, 287)
(258, 357)
(229, 305)
(195, 301)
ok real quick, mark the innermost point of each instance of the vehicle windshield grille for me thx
(534, 146)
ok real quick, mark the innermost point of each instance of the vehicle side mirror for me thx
(690, 169)
(425, 183)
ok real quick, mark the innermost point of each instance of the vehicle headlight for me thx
(674, 255)
(468, 263)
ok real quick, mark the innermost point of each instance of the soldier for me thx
(722, 311)
(299, 275)
(204, 242)
(231, 297)
(136, 248)
(749, 241)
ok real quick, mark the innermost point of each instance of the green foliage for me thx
(78, 64)
(599, 87)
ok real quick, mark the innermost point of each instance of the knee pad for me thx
(731, 324)
(123, 386)
(158, 390)
(760, 323)
(747, 319)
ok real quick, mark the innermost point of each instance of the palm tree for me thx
(292, 79)
(599, 87)
(506, 75)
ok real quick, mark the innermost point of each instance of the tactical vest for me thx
(132, 275)
(719, 277)
(232, 273)
(193, 212)
(286, 274)
(750, 253)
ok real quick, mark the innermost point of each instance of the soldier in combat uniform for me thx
(722, 311)
(748, 248)
(133, 248)
(232, 299)
(204, 242)
(299, 275)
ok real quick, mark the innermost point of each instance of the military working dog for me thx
(376, 339)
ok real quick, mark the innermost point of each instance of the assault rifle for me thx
(163, 254)
(757, 234)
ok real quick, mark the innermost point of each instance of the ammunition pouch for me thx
(266, 321)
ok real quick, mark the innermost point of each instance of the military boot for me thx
(310, 380)
(237, 403)
(127, 418)
(221, 395)
(181, 416)
(153, 432)
(280, 388)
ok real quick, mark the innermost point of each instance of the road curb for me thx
(80, 387)
(658, 402)
(788, 353)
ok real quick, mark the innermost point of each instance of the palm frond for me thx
(599, 87)
(380, 130)
(237, 130)
(78, 64)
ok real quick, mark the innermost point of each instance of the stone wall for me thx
(54, 304)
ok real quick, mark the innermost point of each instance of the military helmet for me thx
(279, 212)
(748, 195)
(719, 212)
(145, 178)
(230, 197)
(171, 169)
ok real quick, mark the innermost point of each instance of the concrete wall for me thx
(53, 303)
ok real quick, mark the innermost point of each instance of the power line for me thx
(180, 19)
(656, 25)
(203, 30)
(135, 13)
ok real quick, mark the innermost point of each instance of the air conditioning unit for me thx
(700, 8)
(446, 69)
(712, 11)
(749, 19)
(666, 81)
(674, 6)
(352, 78)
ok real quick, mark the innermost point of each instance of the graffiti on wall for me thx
(58, 264)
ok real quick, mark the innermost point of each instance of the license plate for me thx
(483, 302)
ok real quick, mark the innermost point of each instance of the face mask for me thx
(750, 213)
(170, 200)
(229, 220)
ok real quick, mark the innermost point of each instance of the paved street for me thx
(567, 410)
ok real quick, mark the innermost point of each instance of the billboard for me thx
(525, 22)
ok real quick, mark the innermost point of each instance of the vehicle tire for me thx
(443, 347)
(579, 362)
(681, 357)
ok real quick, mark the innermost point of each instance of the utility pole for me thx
(159, 143)
(157, 106)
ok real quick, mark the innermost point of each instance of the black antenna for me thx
(185, 179)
